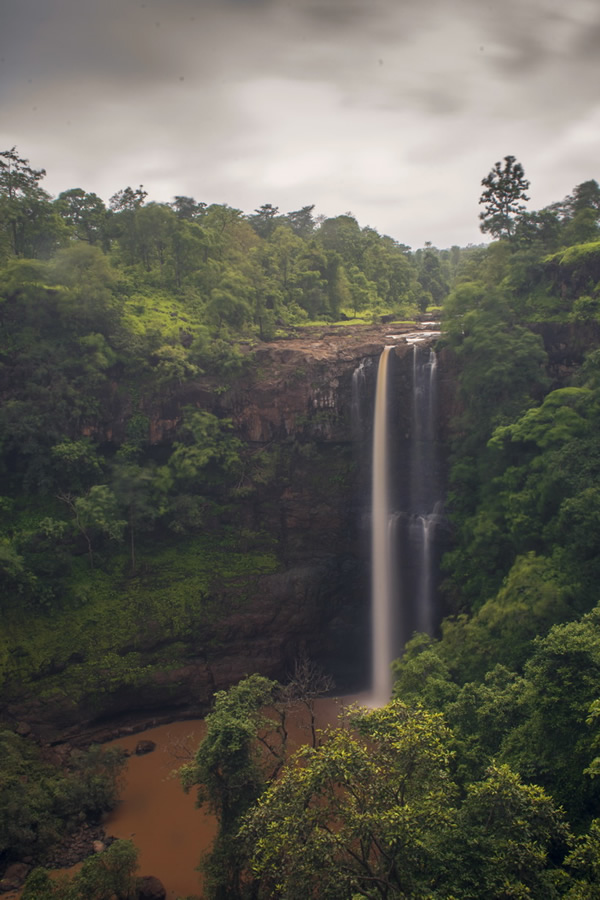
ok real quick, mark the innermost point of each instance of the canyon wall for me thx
(296, 398)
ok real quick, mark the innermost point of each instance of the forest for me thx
(478, 779)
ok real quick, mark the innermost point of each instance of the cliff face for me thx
(301, 401)
(297, 400)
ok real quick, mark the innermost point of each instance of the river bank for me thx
(169, 830)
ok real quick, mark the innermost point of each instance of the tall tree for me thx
(31, 225)
(301, 221)
(586, 196)
(128, 199)
(188, 208)
(505, 188)
(85, 213)
(264, 220)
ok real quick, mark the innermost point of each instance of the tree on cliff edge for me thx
(505, 187)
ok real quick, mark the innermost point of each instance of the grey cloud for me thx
(388, 107)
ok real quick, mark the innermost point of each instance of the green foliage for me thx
(109, 873)
(179, 589)
(555, 744)
(583, 861)
(109, 315)
(373, 812)
(38, 800)
(204, 442)
(106, 875)
(227, 766)
(242, 750)
(507, 831)
(30, 225)
(576, 270)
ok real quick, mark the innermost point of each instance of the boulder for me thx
(144, 747)
(151, 888)
(15, 876)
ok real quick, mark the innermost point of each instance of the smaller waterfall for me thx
(421, 539)
(432, 398)
(359, 387)
(381, 540)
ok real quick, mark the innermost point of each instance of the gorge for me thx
(315, 397)
(314, 512)
(295, 577)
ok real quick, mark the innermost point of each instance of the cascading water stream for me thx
(405, 519)
(424, 506)
(359, 382)
(381, 577)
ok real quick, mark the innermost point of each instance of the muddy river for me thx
(162, 821)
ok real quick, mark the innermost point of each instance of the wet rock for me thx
(151, 888)
(143, 747)
(77, 846)
(15, 876)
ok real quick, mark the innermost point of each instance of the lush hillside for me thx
(480, 778)
(116, 537)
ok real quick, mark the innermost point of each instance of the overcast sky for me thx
(391, 109)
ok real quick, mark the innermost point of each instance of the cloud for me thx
(392, 108)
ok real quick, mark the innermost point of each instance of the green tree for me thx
(363, 292)
(586, 196)
(31, 225)
(301, 221)
(124, 206)
(359, 815)
(86, 215)
(264, 220)
(342, 234)
(541, 229)
(205, 451)
(555, 744)
(505, 188)
(95, 513)
(230, 302)
(584, 865)
(104, 876)
(188, 208)
(87, 291)
(109, 874)
(506, 833)
(432, 279)
(140, 492)
(242, 750)
(128, 199)
(373, 812)
(40, 802)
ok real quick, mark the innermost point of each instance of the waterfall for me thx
(359, 383)
(381, 568)
(406, 517)
(423, 506)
